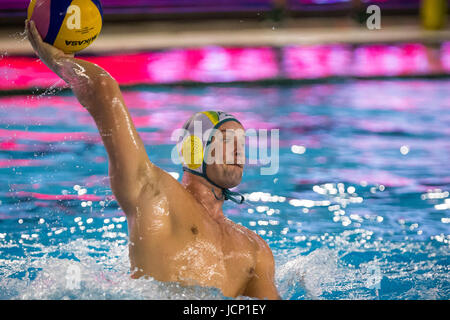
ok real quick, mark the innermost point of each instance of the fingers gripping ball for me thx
(69, 25)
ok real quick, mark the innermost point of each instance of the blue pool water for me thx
(359, 209)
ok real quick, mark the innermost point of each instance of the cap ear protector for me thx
(192, 152)
(193, 145)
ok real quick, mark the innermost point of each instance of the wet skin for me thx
(177, 231)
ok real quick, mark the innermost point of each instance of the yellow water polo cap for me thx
(192, 145)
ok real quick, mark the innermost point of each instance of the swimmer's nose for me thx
(239, 159)
(239, 155)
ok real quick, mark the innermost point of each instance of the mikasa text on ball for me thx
(69, 25)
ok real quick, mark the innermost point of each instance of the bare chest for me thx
(197, 253)
(225, 260)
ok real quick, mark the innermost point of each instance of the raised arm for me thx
(129, 167)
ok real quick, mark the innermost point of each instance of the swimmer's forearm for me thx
(76, 73)
(100, 94)
(88, 81)
(83, 77)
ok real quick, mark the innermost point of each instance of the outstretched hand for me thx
(86, 79)
(46, 52)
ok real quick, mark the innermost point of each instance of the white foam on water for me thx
(102, 275)
(44, 272)
(319, 273)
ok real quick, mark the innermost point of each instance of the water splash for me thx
(319, 274)
(323, 242)
(44, 276)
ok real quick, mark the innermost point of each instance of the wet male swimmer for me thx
(177, 231)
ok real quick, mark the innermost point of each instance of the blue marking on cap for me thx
(99, 6)
(58, 10)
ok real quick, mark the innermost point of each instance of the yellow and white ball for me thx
(69, 25)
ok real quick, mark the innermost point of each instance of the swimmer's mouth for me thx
(237, 165)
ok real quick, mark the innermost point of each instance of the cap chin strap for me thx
(226, 193)
(229, 195)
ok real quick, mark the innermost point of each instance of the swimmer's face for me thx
(227, 168)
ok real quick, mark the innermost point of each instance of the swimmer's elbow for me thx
(104, 90)
(97, 93)
(105, 84)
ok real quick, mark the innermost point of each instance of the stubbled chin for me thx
(234, 175)
(234, 169)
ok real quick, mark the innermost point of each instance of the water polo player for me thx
(177, 231)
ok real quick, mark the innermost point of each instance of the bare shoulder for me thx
(156, 181)
(177, 194)
(264, 253)
(262, 284)
(259, 245)
(180, 206)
